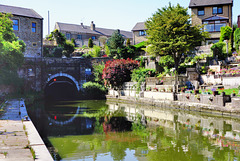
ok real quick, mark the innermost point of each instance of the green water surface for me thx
(94, 130)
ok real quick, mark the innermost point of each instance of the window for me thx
(214, 26)
(93, 37)
(34, 27)
(79, 37)
(201, 11)
(34, 44)
(15, 25)
(142, 33)
(217, 10)
(68, 36)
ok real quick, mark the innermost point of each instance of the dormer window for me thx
(217, 10)
(201, 11)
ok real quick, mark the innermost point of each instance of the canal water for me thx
(106, 131)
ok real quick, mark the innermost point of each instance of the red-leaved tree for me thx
(118, 71)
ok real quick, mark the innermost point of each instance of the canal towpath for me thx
(19, 139)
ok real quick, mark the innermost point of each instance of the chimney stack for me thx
(92, 26)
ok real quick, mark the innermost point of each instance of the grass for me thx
(32, 151)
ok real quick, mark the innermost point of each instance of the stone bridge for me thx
(57, 74)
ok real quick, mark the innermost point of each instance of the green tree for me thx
(115, 44)
(58, 36)
(98, 71)
(128, 43)
(90, 43)
(96, 52)
(226, 33)
(170, 32)
(237, 38)
(68, 48)
(11, 51)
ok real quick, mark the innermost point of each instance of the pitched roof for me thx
(139, 26)
(199, 3)
(87, 29)
(26, 12)
(215, 18)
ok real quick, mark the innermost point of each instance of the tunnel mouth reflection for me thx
(60, 88)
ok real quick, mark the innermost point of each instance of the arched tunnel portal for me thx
(61, 86)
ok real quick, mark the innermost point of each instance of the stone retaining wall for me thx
(218, 100)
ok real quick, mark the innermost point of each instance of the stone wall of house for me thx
(196, 20)
(137, 39)
(32, 40)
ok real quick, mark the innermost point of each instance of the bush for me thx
(96, 52)
(90, 43)
(57, 52)
(140, 75)
(217, 49)
(94, 90)
(87, 55)
(68, 48)
(118, 71)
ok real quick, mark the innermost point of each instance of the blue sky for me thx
(112, 14)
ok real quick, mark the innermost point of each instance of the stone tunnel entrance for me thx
(61, 87)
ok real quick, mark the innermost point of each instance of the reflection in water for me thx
(94, 130)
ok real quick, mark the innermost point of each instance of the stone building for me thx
(82, 33)
(27, 26)
(139, 33)
(214, 14)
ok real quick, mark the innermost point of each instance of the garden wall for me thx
(235, 102)
(159, 95)
(210, 79)
(219, 100)
(231, 81)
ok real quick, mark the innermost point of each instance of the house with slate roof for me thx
(139, 33)
(82, 33)
(27, 26)
(214, 14)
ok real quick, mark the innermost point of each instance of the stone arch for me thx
(64, 75)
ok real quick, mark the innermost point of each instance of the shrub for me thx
(140, 75)
(87, 55)
(217, 49)
(68, 48)
(94, 90)
(57, 52)
(96, 52)
(118, 71)
(90, 43)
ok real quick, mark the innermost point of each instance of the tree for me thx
(90, 43)
(115, 44)
(237, 38)
(66, 45)
(118, 71)
(68, 48)
(170, 33)
(11, 51)
(128, 43)
(226, 33)
(217, 50)
(103, 40)
(58, 36)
